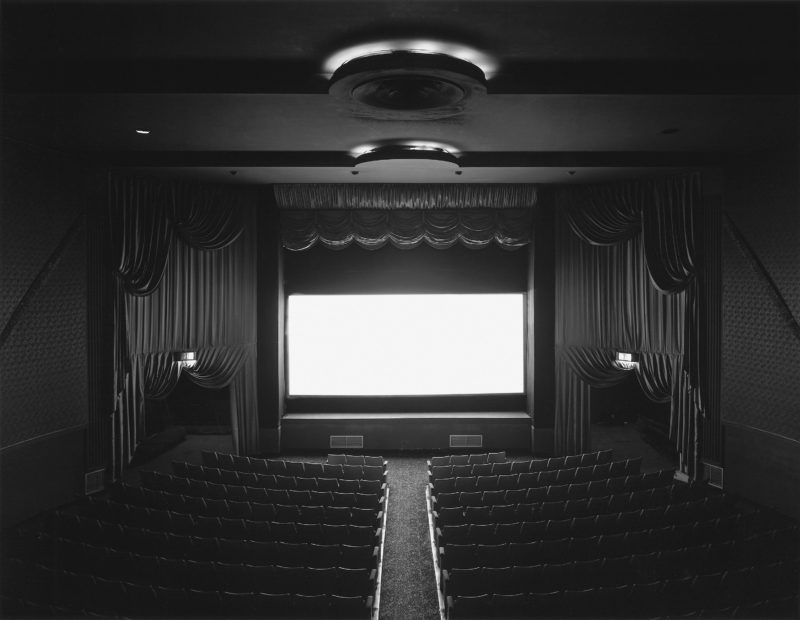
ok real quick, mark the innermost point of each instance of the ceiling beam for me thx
(338, 159)
(304, 77)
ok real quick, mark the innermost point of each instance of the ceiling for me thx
(237, 90)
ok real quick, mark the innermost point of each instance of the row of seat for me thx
(612, 572)
(71, 592)
(255, 498)
(638, 565)
(669, 598)
(211, 575)
(222, 527)
(198, 504)
(291, 552)
(195, 546)
(564, 490)
(474, 458)
(195, 604)
(278, 481)
(631, 502)
(355, 459)
(588, 530)
(759, 548)
(284, 467)
(565, 475)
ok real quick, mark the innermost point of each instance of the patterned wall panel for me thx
(760, 353)
(762, 199)
(43, 363)
(41, 198)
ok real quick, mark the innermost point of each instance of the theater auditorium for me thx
(391, 310)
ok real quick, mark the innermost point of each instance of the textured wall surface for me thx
(43, 361)
(760, 352)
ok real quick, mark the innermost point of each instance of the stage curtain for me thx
(371, 229)
(404, 196)
(203, 299)
(140, 233)
(625, 265)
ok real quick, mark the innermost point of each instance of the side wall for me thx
(760, 386)
(43, 349)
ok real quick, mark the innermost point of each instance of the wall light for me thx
(187, 359)
(627, 361)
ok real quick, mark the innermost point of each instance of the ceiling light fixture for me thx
(408, 156)
(482, 61)
(143, 132)
(414, 80)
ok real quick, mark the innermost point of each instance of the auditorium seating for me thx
(296, 539)
(587, 536)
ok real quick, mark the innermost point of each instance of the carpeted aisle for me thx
(408, 589)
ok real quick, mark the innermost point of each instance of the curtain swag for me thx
(146, 216)
(405, 196)
(406, 229)
(626, 279)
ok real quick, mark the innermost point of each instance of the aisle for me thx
(408, 586)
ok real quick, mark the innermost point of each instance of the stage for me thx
(508, 430)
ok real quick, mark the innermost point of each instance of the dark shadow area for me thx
(625, 404)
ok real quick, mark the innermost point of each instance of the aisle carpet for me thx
(408, 589)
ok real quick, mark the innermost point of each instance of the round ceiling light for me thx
(411, 155)
(407, 84)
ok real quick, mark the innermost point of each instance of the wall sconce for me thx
(187, 359)
(627, 361)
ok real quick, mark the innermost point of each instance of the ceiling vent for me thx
(346, 441)
(466, 441)
(407, 85)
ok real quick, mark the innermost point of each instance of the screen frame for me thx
(389, 404)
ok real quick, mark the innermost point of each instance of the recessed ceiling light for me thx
(143, 132)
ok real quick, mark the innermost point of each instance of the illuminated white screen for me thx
(395, 345)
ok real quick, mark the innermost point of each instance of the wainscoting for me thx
(763, 467)
(41, 473)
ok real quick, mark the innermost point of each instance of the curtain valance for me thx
(146, 215)
(664, 211)
(405, 229)
(392, 196)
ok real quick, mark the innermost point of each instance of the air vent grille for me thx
(94, 481)
(347, 441)
(466, 441)
(715, 475)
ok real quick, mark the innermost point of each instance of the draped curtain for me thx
(626, 280)
(374, 228)
(405, 215)
(185, 281)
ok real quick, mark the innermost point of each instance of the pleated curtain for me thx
(405, 215)
(186, 281)
(626, 267)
